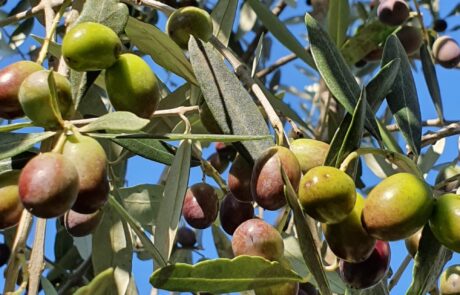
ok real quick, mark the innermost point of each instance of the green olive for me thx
(10, 204)
(449, 281)
(188, 21)
(90, 46)
(397, 207)
(310, 153)
(327, 194)
(445, 221)
(132, 86)
(35, 98)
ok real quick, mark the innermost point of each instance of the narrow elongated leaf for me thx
(427, 160)
(173, 198)
(16, 162)
(16, 143)
(223, 16)
(335, 72)
(431, 78)
(338, 17)
(429, 262)
(381, 84)
(54, 49)
(20, 34)
(180, 136)
(163, 50)
(223, 245)
(101, 284)
(15, 126)
(403, 99)
(142, 202)
(116, 121)
(279, 31)
(229, 102)
(307, 243)
(222, 275)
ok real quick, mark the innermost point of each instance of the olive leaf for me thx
(16, 143)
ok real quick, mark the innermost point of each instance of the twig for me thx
(36, 257)
(395, 279)
(428, 123)
(76, 276)
(426, 36)
(449, 130)
(166, 9)
(277, 64)
(28, 13)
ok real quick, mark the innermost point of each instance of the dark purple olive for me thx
(393, 12)
(239, 179)
(233, 212)
(4, 254)
(218, 162)
(186, 237)
(201, 206)
(439, 25)
(369, 272)
(446, 52)
(411, 39)
(226, 151)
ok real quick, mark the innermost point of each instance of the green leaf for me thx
(279, 31)
(229, 102)
(142, 202)
(338, 17)
(15, 126)
(54, 49)
(48, 287)
(335, 72)
(100, 285)
(348, 136)
(429, 72)
(173, 198)
(305, 236)
(180, 136)
(164, 51)
(20, 34)
(116, 121)
(111, 13)
(222, 275)
(16, 143)
(223, 245)
(427, 160)
(16, 162)
(428, 264)
(403, 99)
(380, 85)
(367, 38)
(223, 16)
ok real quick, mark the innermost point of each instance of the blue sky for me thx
(143, 171)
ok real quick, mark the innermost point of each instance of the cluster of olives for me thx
(71, 184)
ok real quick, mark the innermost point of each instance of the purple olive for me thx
(201, 206)
(393, 12)
(233, 212)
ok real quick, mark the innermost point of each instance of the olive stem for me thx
(426, 37)
(449, 130)
(147, 243)
(60, 143)
(402, 161)
(36, 256)
(447, 181)
(76, 275)
(397, 276)
(37, 9)
(12, 269)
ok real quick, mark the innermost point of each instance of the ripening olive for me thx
(411, 39)
(445, 221)
(233, 212)
(89, 158)
(327, 194)
(188, 21)
(80, 225)
(449, 280)
(10, 203)
(310, 153)
(239, 179)
(342, 237)
(397, 207)
(48, 185)
(201, 206)
(412, 243)
(267, 184)
(132, 86)
(35, 98)
(393, 12)
(90, 46)
(369, 272)
(446, 52)
(11, 78)
(255, 237)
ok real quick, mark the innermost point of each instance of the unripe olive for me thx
(327, 194)
(11, 78)
(35, 98)
(132, 86)
(80, 225)
(445, 221)
(90, 46)
(267, 185)
(48, 185)
(310, 153)
(446, 52)
(186, 237)
(342, 237)
(397, 207)
(284, 288)
(393, 12)
(446, 173)
(4, 254)
(188, 21)
(412, 243)
(255, 237)
(239, 179)
(90, 159)
(10, 203)
(369, 272)
(233, 212)
(449, 280)
(201, 206)
(411, 39)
